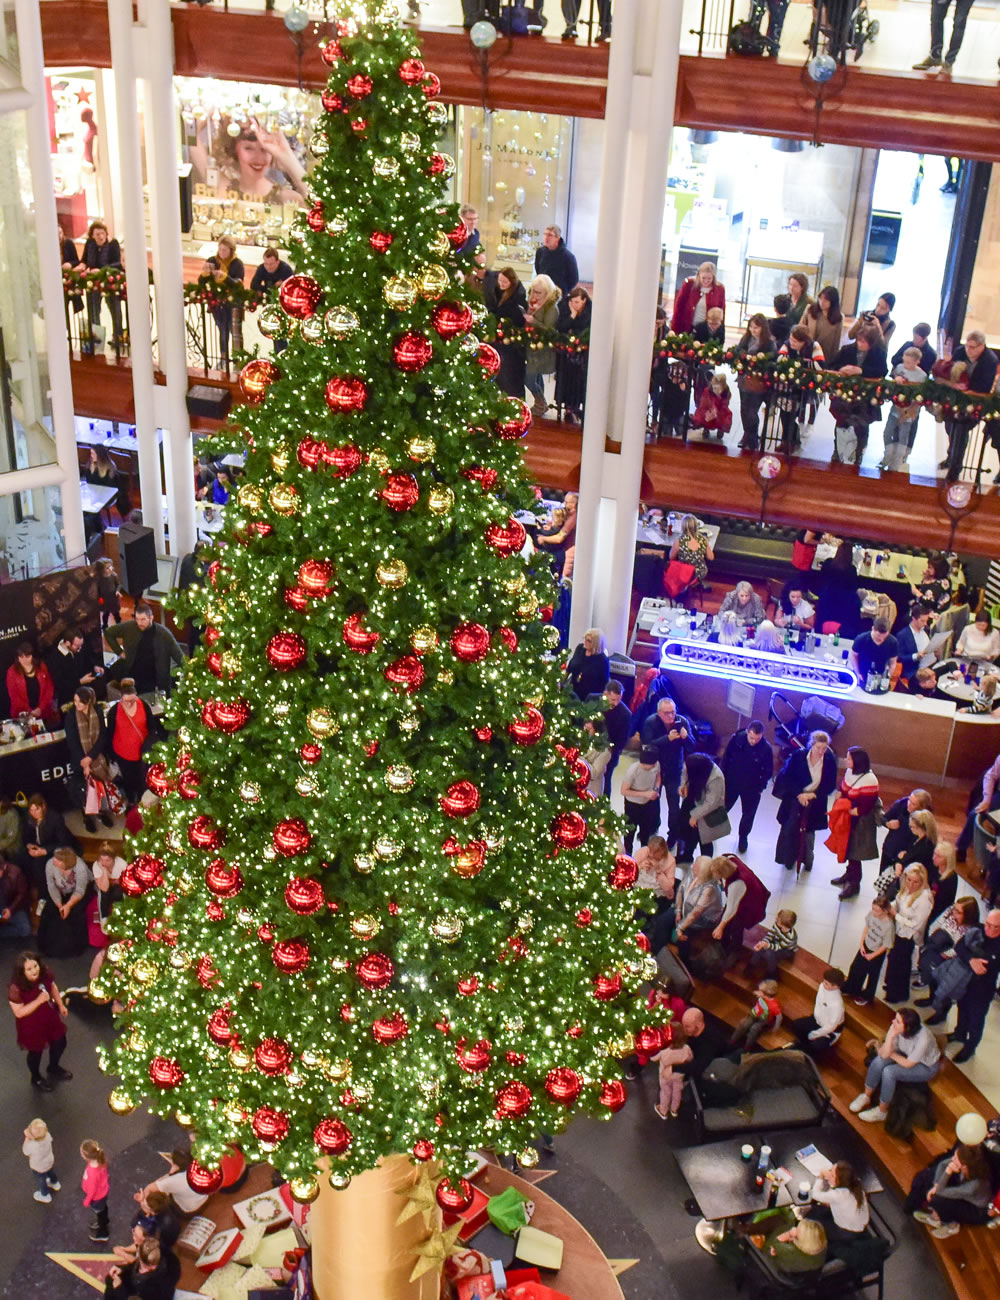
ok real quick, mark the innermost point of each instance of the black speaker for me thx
(204, 399)
(186, 189)
(137, 557)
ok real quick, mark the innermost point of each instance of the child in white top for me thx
(38, 1148)
(902, 421)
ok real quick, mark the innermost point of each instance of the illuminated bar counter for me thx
(905, 735)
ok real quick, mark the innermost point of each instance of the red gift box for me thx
(474, 1218)
(482, 1285)
(536, 1291)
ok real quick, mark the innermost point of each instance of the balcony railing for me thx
(96, 306)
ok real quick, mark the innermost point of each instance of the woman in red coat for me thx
(40, 1013)
(30, 688)
(695, 297)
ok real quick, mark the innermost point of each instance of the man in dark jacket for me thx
(153, 1275)
(748, 764)
(271, 272)
(921, 333)
(556, 261)
(618, 717)
(975, 1002)
(14, 920)
(912, 642)
(865, 357)
(672, 737)
(71, 664)
(147, 650)
(980, 376)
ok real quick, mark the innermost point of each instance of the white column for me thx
(153, 50)
(642, 84)
(134, 230)
(32, 60)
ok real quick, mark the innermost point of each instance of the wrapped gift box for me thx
(197, 1233)
(474, 1218)
(536, 1291)
(484, 1285)
(270, 1209)
(219, 1250)
(539, 1248)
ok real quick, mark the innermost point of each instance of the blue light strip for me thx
(798, 672)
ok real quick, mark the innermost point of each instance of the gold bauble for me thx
(322, 723)
(116, 953)
(388, 848)
(319, 145)
(436, 112)
(400, 292)
(234, 1112)
(98, 991)
(528, 1158)
(340, 965)
(365, 863)
(447, 927)
(527, 606)
(392, 573)
(284, 498)
(440, 244)
(399, 778)
(336, 225)
(445, 677)
(409, 142)
(433, 280)
(145, 971)
(179, 959)
(409, 723)
(280, 458)
(312, 329)
(424, 639)
(340, 1182)
(380, 462)
(421, 448)
(183, 884)
(304, 1189)
(365, 926)
(271, 321)
(312, 1059)
(239, 1057)
(362, 1093)
(341, 322)
(386, 167)
(249, 791)
(440, 499)
(514, 583)
(184, 1119)
(230, 663)
(306, 785)
(550, 637)
(120, 1102)
(338, 1069)
(479, 311)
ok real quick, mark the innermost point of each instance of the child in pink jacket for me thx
(713, 413)
(672, 1084)
(95, 1187)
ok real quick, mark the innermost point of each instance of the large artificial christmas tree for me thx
(376, 912)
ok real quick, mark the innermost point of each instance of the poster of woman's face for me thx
(249, 159)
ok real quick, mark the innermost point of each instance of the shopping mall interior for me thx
(424, 395)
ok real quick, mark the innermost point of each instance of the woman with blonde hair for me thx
(911, 912)
(946, 885)
(542, 314)
(693, 547)
(897, 819)
(729, 631)
(769, 638)
(800, 1248)
(589, 667)
(695, 297)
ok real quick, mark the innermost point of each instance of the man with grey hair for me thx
(979, 377)
(975, 1003)
(473, 239)
(556, 261)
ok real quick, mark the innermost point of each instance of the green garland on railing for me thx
(942, 398)
(534, 338)
(223, 293)
(106, 280)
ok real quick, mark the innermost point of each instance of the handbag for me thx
(677, 577)
(717, 822)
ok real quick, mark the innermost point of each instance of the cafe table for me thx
(954, 683)
(722, 1182)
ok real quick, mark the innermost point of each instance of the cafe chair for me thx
(850, 1267)
(787, 1092)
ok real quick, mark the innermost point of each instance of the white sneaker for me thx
(54, 1185)
(45, 1200)
(860, 1102)
(873, 1115)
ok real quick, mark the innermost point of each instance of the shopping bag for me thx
(509, 1211)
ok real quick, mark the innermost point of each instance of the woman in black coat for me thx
(511, 302)
(101, 251)
(897, 818)
(571, 367)
(807, 779)
(589, 667)
(836, 587)
(43, 832)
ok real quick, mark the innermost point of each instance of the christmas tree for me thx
(376, 911)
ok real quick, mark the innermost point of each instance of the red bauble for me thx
(474, 1057)
(624, 873)
(265, 934)
(563, 1085)
(389, 1029)
(346, 393)
(290, 956)
(316, 577)
(649, 1040)
(332, 1136)
(291, 837)
(470, 859)
(468, 986)
(343, 460)
(381, 240)
(331, 101)
(513, 1100)
(506, 539)
(360, 85)
(437, 165)
(270, 1125)
(575, 1031)
(529, 729)
(457, 235)
(546, 612)
(486, 478)
(470, 642)
(569, 830)
(357, 637)
(204, 834)
(516, 420)
(224, 880)
(311, 753)
(584, 917)
(509, 638)
(295, 598)
(299, 296)
(203, 1180)
(157, 779)
(332, 51)
(309, 452)
(211, 636)
(484, 734)
(642, 942)
(613, 1094)
(316, 218)
(412, 351)
(286, 651)
(607, 987)
(256, 377)
(411, 71)
(213, 662)
(375, 970)
(423, 1149)
(359, 125)
(454, 1199)
(489, 358)
(205, 972)
(401, 492)
(407, 672)
(461, 799)
(273, 1056)
(452, 318)
(220, 1029)
(215, 911)
(431, 84)
(165, 1073)
(230, 715)
(304, 895)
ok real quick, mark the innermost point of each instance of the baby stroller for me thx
(840, 26)
(793, 727)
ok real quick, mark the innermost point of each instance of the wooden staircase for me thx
(971, 1258)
